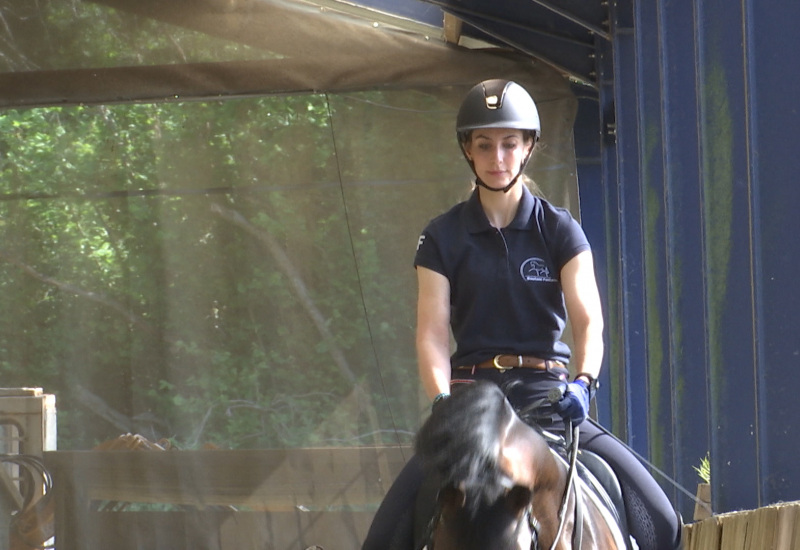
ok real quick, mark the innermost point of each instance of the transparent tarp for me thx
(233, 276)
(234, 272)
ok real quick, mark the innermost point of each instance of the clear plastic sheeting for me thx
(233, 276)
(238, 272)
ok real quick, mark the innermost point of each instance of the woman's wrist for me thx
(589, 380)
(441, 397)
(438, 400)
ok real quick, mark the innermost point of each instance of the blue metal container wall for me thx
(684, 235)
(729, 254)
(701, 242)
(774, 124)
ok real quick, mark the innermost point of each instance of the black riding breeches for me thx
(652, 520)
(393, 525)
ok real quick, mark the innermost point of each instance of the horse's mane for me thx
(460, 441)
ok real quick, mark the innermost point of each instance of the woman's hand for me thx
(574, 406)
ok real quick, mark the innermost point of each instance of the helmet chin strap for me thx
(508, 187)
(505, 189)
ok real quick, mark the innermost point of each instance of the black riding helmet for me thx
(497, 103)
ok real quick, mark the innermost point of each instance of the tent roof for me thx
(305, 46)
(566, 34)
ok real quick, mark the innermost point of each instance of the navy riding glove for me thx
(574, 406)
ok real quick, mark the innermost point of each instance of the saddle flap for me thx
(599, 476)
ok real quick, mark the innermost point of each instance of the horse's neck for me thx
(526, 457)
(601, 529)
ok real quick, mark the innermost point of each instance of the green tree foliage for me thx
(222, 272)
(67, 34)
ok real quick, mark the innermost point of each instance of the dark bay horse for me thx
(501, 487)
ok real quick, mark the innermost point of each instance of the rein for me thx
(571, 486)
(571, 439)
(426, 542)
(652, 466)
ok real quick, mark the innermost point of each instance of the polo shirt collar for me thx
(477, 220)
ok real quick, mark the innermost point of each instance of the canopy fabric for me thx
(303, 49)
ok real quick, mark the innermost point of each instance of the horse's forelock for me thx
(461, 440)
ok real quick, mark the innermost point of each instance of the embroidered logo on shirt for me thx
(535, 269)
(420, 241)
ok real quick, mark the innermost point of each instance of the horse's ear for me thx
(519, 498)
(452, 496)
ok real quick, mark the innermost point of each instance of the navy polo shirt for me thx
(505, 292)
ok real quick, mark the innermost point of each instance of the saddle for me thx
(598, 475)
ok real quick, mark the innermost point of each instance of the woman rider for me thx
(504, 271)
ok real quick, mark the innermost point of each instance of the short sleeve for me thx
(568, 239)
(428, 254)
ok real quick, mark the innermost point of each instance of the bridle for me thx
(571, 436)
(533, 524)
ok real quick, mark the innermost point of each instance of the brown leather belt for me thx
(507, 362)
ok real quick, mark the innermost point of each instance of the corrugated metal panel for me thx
(699, 245)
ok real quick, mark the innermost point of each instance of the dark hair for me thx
(527, 135)
(460, 441)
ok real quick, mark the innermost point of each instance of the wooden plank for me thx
(762, 534)
(259, 479)
(775, 527)
(703, 535)
(20, 392)
(294, 531)
(10, 489)
(220, 530)
(734, 531)
(143, 530)
(452, 28)
(299, 493)
(787, 530)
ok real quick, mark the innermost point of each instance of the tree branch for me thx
(301, 291)
(88, 294)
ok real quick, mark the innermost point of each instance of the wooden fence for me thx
(283, 500)
(775, 527)
(219, 500)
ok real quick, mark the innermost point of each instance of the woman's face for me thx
(497, 154)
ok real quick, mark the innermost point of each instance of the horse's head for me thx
(504, 524)
(490, 465)
(500, 486)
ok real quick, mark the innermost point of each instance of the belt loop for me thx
(519, 361)
(548, 364)
(473, 369)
